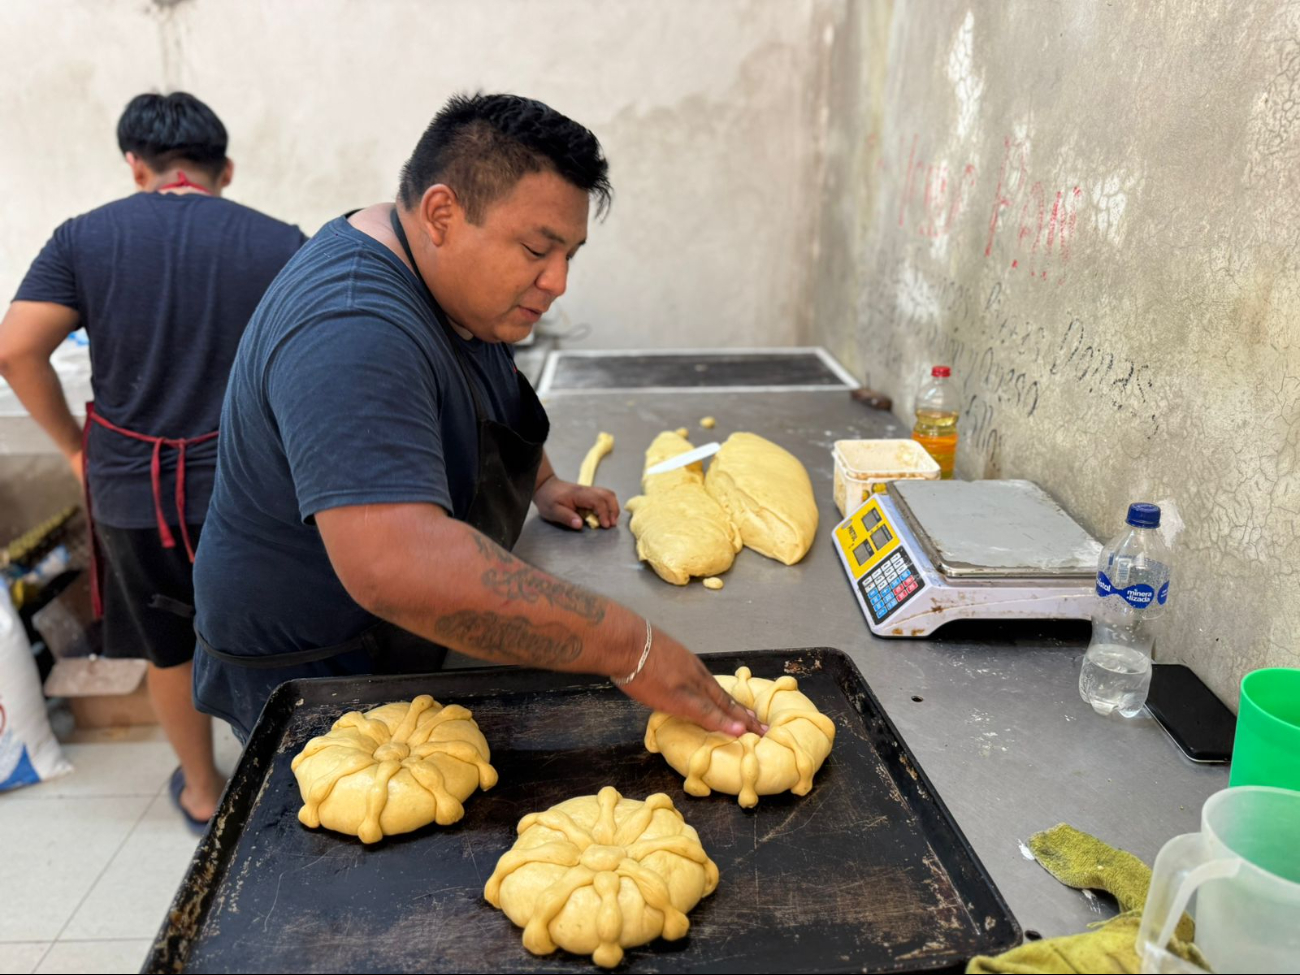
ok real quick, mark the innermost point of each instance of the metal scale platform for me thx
(930, 552)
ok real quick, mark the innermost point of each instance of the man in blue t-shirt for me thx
(379, 450)
(164, 282)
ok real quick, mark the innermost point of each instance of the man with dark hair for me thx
(380, 450)
(164, 131)
(164, 282)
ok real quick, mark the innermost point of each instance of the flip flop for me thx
(175, 787)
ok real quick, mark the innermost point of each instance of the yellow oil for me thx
(937, 433)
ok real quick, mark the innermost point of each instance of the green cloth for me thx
(1085, 862)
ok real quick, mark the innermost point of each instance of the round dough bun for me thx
(393, 769)
(786, 758)
(597, 874)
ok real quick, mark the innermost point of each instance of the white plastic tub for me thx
(862, 464)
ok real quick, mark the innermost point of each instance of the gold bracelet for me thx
(645, 655)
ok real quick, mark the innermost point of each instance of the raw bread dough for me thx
(680, 530)
(767, 493)
(598, 874)
(393, 769)
(587, 472)
(713, 582)
(683, 433)
(708, 423)
(787, 757)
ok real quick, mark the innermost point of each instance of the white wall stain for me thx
(967, 85)
(1108, 203)
(916, 299)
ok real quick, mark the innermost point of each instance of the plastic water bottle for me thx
(1132, 592)
(937, 408)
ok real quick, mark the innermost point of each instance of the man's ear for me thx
(227, 174)
(141, 174)
(438, 211)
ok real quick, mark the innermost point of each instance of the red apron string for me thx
(155, 475)
(180, 499)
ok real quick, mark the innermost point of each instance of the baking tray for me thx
(868, 872)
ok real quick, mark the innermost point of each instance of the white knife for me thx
(684, 460)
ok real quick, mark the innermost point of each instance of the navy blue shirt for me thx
(344, 392)
(165, 284)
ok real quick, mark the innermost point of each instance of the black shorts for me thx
(148, 595)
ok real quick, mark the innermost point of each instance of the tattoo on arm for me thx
(529, 585)
(491, 550)
(513, 579)
(511, 638)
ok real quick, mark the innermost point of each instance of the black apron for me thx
(508, 462)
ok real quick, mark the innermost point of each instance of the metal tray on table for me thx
(868, 872)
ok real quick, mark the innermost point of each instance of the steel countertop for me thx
(992, 711)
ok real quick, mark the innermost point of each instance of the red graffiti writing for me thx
(1039, 234)
(933, 194)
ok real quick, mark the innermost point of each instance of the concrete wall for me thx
(1090, 211)
(707, 111)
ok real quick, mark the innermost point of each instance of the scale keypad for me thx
(890, 584)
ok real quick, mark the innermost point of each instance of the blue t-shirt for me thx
(164, 284)
(344, 392)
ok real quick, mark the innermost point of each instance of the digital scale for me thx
(930, 552)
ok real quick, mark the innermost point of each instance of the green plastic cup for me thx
(1267, 746)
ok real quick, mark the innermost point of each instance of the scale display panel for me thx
(883, 572)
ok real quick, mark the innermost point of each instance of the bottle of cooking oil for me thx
(936, 419)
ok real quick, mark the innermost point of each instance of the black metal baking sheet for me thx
(868, 872)
(692, 370)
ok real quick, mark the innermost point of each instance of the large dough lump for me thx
(598, 874)
(393, 769)
(787, 757)
(767, 493)
(680, 529)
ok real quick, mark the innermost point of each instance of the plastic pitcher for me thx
(1267, 747)
(1244, 868)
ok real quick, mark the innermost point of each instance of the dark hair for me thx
(481, 145)
(165, 129)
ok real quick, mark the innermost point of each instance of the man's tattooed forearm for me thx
(513, 579)
(509, 638)
(528, 585)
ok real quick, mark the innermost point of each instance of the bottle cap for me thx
(942, 372)
(1143, 515)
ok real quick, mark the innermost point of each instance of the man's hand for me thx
(676, 681)
(563, 502)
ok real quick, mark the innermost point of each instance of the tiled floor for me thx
(89, 862)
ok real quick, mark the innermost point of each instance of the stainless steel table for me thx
(993, 713)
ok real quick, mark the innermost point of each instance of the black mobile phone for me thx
(1198, 722)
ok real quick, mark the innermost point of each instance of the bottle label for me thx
(1104, 588)
(1139, 597)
